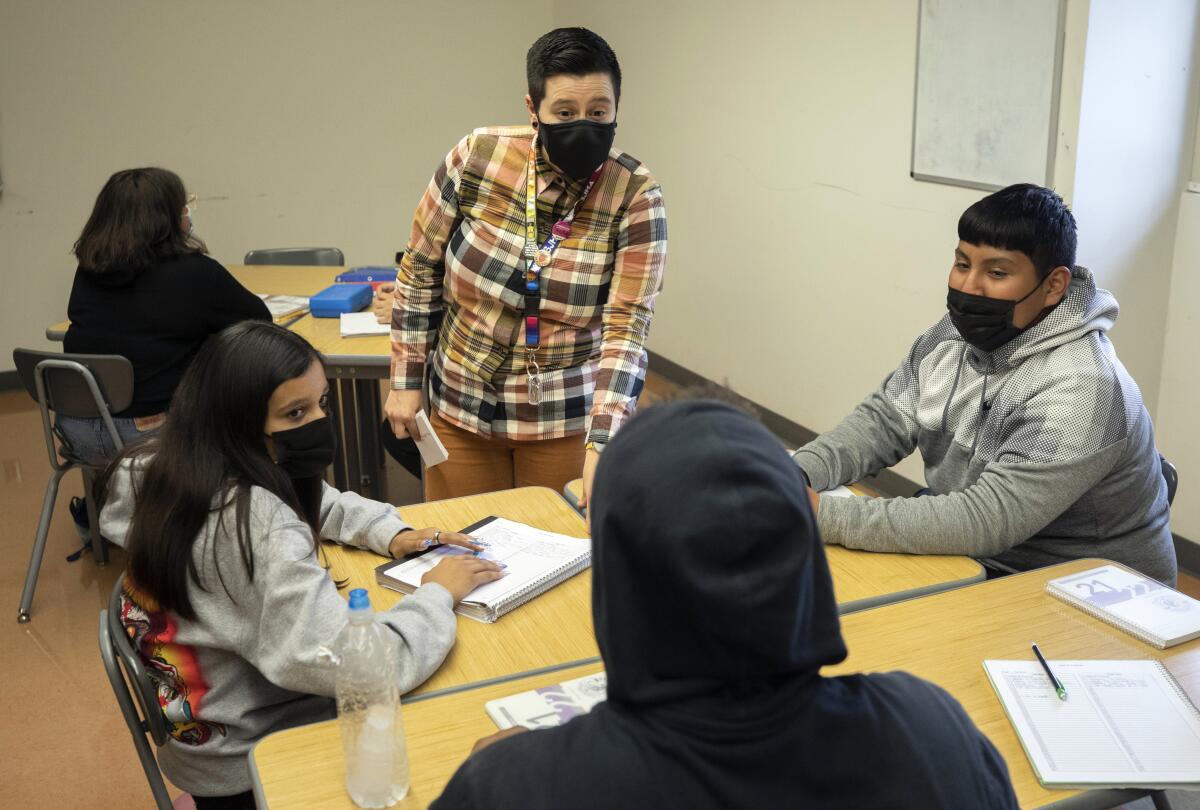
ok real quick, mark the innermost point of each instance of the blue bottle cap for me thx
(359, 600)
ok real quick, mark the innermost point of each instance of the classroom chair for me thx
(1171, 475)
(314, 256)
(89, 386)
(137, 696)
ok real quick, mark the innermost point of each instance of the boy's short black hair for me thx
(570, 51)
(1024, 217)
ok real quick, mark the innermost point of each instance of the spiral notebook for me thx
(549, 706)
(537, 560)
(1123, 724)
(1140, 606)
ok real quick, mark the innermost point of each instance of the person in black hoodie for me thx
(714, 612)
(146, 290)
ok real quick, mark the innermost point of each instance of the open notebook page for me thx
(1123, 722)
(529, 554)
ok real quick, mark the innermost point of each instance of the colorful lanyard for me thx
(535, 259)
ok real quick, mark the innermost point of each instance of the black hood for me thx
(714, 611)
(709, 572)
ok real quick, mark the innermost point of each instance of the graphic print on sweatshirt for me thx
(173, 668)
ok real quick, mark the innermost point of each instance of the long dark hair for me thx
(211, 451)
(136, 222)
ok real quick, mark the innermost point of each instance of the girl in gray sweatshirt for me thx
(226, 597)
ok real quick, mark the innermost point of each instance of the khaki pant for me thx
(477, 465)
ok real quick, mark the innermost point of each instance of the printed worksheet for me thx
(1124, 723)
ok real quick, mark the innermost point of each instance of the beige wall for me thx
(296, 123)
(1178, 421)
(1138, 171)
(1134, 159)
(803, 258)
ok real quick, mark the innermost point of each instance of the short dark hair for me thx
(136, 222)
(570, 51)
(1024, 217)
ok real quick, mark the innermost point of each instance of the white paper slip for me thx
(433, 452)
(549, 706)
(1123, 724)
(361, 324)
(1138, 605)
(839, 492)
(536, 561)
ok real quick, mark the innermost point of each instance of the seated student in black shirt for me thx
(714, 612)
(146, 290)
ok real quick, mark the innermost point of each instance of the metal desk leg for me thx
(336, 407)
(350, 435)
(370, 447)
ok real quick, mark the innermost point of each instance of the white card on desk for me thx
(360, 324)
(433, 452)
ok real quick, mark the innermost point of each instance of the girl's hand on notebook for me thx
(410, 541)
(461, 574)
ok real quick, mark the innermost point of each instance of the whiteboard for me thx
(986, 109)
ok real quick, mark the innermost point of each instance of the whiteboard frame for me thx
(1052, 140)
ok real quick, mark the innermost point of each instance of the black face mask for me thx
(577, 147)
(985, 323)
(307, 450)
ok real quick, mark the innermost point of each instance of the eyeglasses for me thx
(190, 204)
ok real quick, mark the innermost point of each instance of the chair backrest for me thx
(77, 384)
(136, 694)
(1171, 475)
(321, 256)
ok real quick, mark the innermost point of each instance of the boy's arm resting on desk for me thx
(352, 520)
(1009, 503)
(875, 435)
(417, 308)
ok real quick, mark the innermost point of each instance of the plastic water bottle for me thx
(368, 704)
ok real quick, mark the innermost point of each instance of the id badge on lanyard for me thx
(535, 259)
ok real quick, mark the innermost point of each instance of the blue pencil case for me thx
(333, 301)
(356, 275)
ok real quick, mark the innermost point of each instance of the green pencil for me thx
(1058, 685)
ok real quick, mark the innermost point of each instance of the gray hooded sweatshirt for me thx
(1038, 452)
(250, 662)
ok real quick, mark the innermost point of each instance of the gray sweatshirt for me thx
(1038, 452)
(250, 664)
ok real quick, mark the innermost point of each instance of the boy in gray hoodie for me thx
(1036, 444)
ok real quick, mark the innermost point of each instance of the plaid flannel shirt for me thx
(459, 292)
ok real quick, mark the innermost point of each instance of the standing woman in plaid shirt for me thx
(530, 311)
